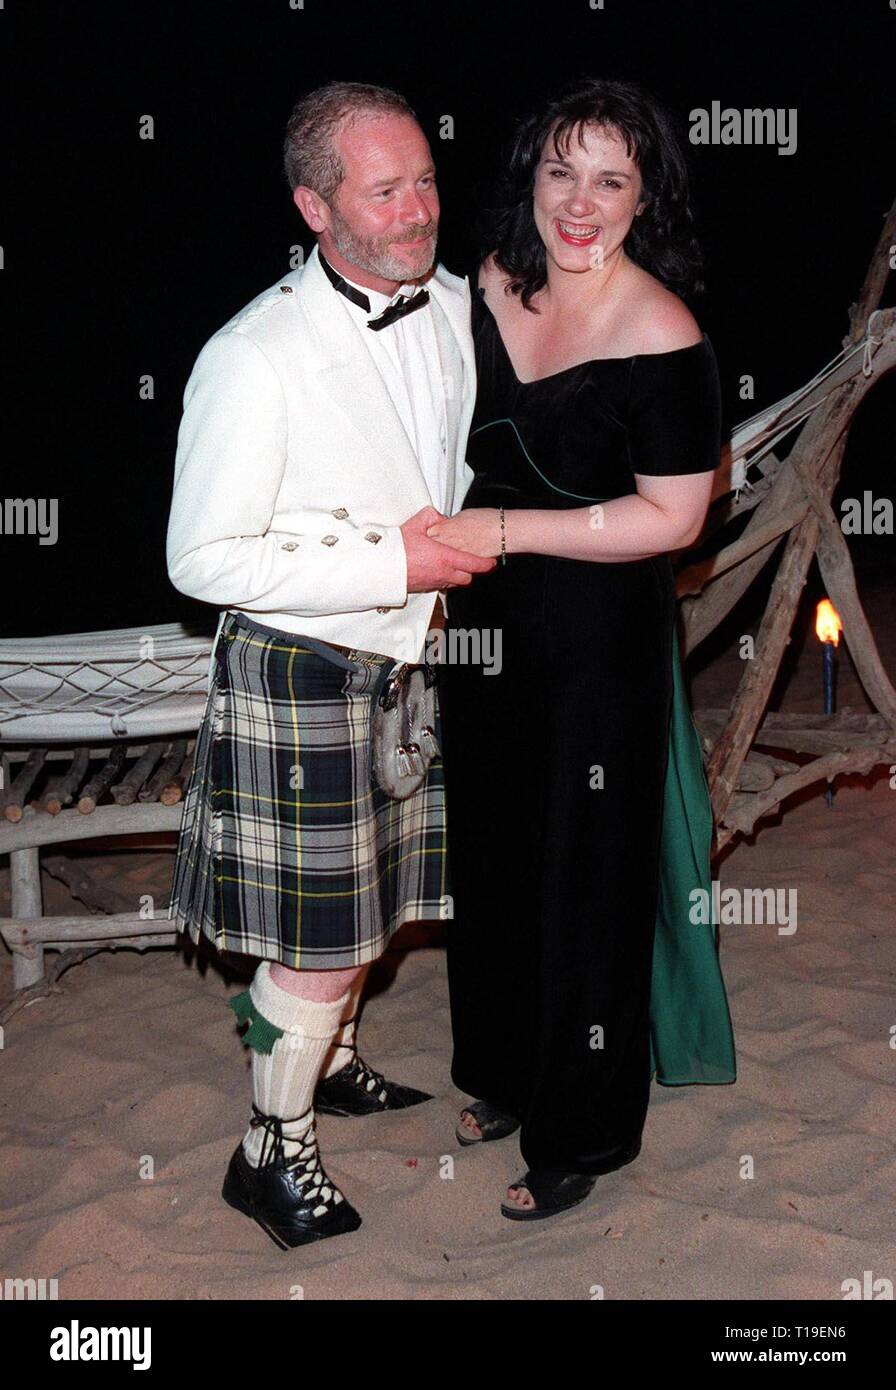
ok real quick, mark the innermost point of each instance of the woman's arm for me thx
(665, 514)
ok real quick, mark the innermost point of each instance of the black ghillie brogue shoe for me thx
(356, 1089)
(290, 1198)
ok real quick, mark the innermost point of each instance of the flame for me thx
(827, 622)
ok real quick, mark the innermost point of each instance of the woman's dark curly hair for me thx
(661, 240)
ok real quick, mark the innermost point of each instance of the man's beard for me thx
(373, 254)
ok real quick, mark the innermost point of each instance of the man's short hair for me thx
(310, 158)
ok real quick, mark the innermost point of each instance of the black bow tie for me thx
(407, 305)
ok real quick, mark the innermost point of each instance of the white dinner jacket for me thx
(294, 473)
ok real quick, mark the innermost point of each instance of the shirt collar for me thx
(378, 301)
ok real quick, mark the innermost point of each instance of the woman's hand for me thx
(477, 530)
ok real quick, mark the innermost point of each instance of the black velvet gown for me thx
(555, 762)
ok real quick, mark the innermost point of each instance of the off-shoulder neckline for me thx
(588, 361)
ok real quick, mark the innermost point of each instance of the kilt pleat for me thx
(287, 849)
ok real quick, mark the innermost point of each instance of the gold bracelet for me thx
(503, 538)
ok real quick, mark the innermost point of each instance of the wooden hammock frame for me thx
(145, 796)
(793, 499)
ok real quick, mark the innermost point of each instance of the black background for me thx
(123, 255)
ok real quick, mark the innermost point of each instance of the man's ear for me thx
(312, 207)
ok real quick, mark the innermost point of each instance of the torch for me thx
(827, 629)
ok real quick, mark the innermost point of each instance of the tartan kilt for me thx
(287, 849)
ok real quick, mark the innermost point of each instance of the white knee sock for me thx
(342, 1047)
(283, 1080)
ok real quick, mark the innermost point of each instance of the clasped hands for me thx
(444, 552)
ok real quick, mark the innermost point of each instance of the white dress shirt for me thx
(406, 355)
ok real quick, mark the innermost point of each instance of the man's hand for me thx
(432, 565)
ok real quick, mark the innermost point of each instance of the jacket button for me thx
(290, 545)
(328, 540)
(340, 513)
(383, 610)
(373, 537)
(286, 289)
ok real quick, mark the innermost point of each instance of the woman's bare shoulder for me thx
(661, 321)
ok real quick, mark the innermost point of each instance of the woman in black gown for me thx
(593, 445)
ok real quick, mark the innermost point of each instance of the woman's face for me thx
(585, 198)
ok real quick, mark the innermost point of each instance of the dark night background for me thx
(123, 255)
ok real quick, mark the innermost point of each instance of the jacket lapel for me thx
(348, 375)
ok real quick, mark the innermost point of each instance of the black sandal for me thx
(493, 1123)
(553, 1193)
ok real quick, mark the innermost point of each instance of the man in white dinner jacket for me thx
(324, 431)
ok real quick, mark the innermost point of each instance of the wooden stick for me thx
(149, 820)
(760, 673)
(58, 753)
(875, 280)
(835, 563)
(702, 614)
(64, 788)
(754, 777)
(23, 931)
(82, 886)
(125, 791)
(726, 509)
(172, 792)
(696, 577)
(169, 768)
(744, 811)
(22, 784)
(73, 956)
(848, 719)
(806, 733)
(102, 780)
(760, 770)
(45, 987)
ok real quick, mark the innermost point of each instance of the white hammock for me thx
(151, 682)
(756, 436)
(83, 687)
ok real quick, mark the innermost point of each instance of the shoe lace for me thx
(305, 1166)
(362, 1075)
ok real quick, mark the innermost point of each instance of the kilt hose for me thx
(287, 849)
